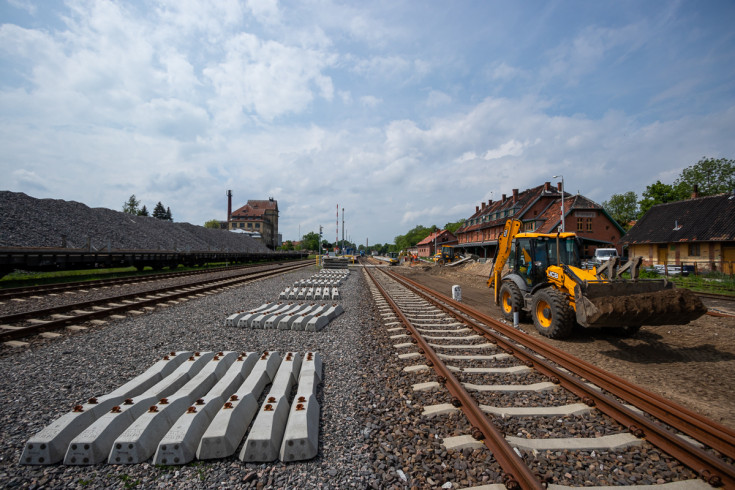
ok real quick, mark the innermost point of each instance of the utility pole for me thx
(343, 230)
(562, 201)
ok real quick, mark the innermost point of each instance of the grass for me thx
(711, 282)
(25, 279)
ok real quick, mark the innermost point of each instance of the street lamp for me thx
(562, 199)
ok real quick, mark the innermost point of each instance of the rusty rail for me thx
(518, 474)
(713, 470)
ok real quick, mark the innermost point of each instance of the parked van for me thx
(604, 254)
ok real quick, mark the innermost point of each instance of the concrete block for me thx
(275, 320)
(264, 439)
(244, 321)
(179, 445)
(259, 321)
(93, 445)
(139, 441)
(301, 437)
(230, 423)
(287, 321)
(301, 294)
(303, 319)
(50, 444)
(284, 293)
(335, 294)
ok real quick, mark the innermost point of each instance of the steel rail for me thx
(24, 291)
(708, 432)
(169, 294)
(518, 474)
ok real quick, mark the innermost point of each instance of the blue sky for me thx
(403, 113)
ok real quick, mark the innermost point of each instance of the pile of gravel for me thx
(29, 222)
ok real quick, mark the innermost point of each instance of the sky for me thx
(403, 113)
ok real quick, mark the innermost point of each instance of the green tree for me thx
(452, 227)
(287, 245)
(414, 236)
(310, 241)
(168, 215)
(660, 193)
(212, 223)
(131, 205)
(143, 211)
(159, 212)
(623, 208)
(711, 176)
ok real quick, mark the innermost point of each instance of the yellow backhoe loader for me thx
(540, 274)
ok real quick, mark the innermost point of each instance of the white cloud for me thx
(267, 79)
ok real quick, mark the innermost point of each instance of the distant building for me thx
(258, 216)
(699, 232)
(539, 210)
(433, 243)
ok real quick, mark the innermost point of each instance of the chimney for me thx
(515, 195)
(547, 186)
(229, 208)
(489, 202)
(695, 191)
(504, 197)
(483, 204)
(477, 209)
(558, 186)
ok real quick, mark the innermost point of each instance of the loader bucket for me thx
(622, 304)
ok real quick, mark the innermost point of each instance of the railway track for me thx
(515, 390)
(45, 289)
(21, 325)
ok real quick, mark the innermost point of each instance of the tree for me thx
(143, 211)
(159, 212)
(310, 241)
(168, 215)
(710, 176)
(623, 208)
(659, 193)
(288, 245)
(452, 227)
(131, 206)
(212, 223)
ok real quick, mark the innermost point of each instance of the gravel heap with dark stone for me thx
(29, 222)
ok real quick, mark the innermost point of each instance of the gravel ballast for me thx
(29, 222)
(44, 381)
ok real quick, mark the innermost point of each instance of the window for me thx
(694, 250)
(580, 224)
(589, 224)
(250, 225)
(257, 225)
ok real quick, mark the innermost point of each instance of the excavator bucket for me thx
(636, 303)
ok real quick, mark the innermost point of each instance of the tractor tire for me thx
(510, 298)
(552, 314)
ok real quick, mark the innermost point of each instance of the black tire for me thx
(552, 314)
(510, 297)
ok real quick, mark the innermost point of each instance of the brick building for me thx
(426, 247)
(539, 209)
(258, 216)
